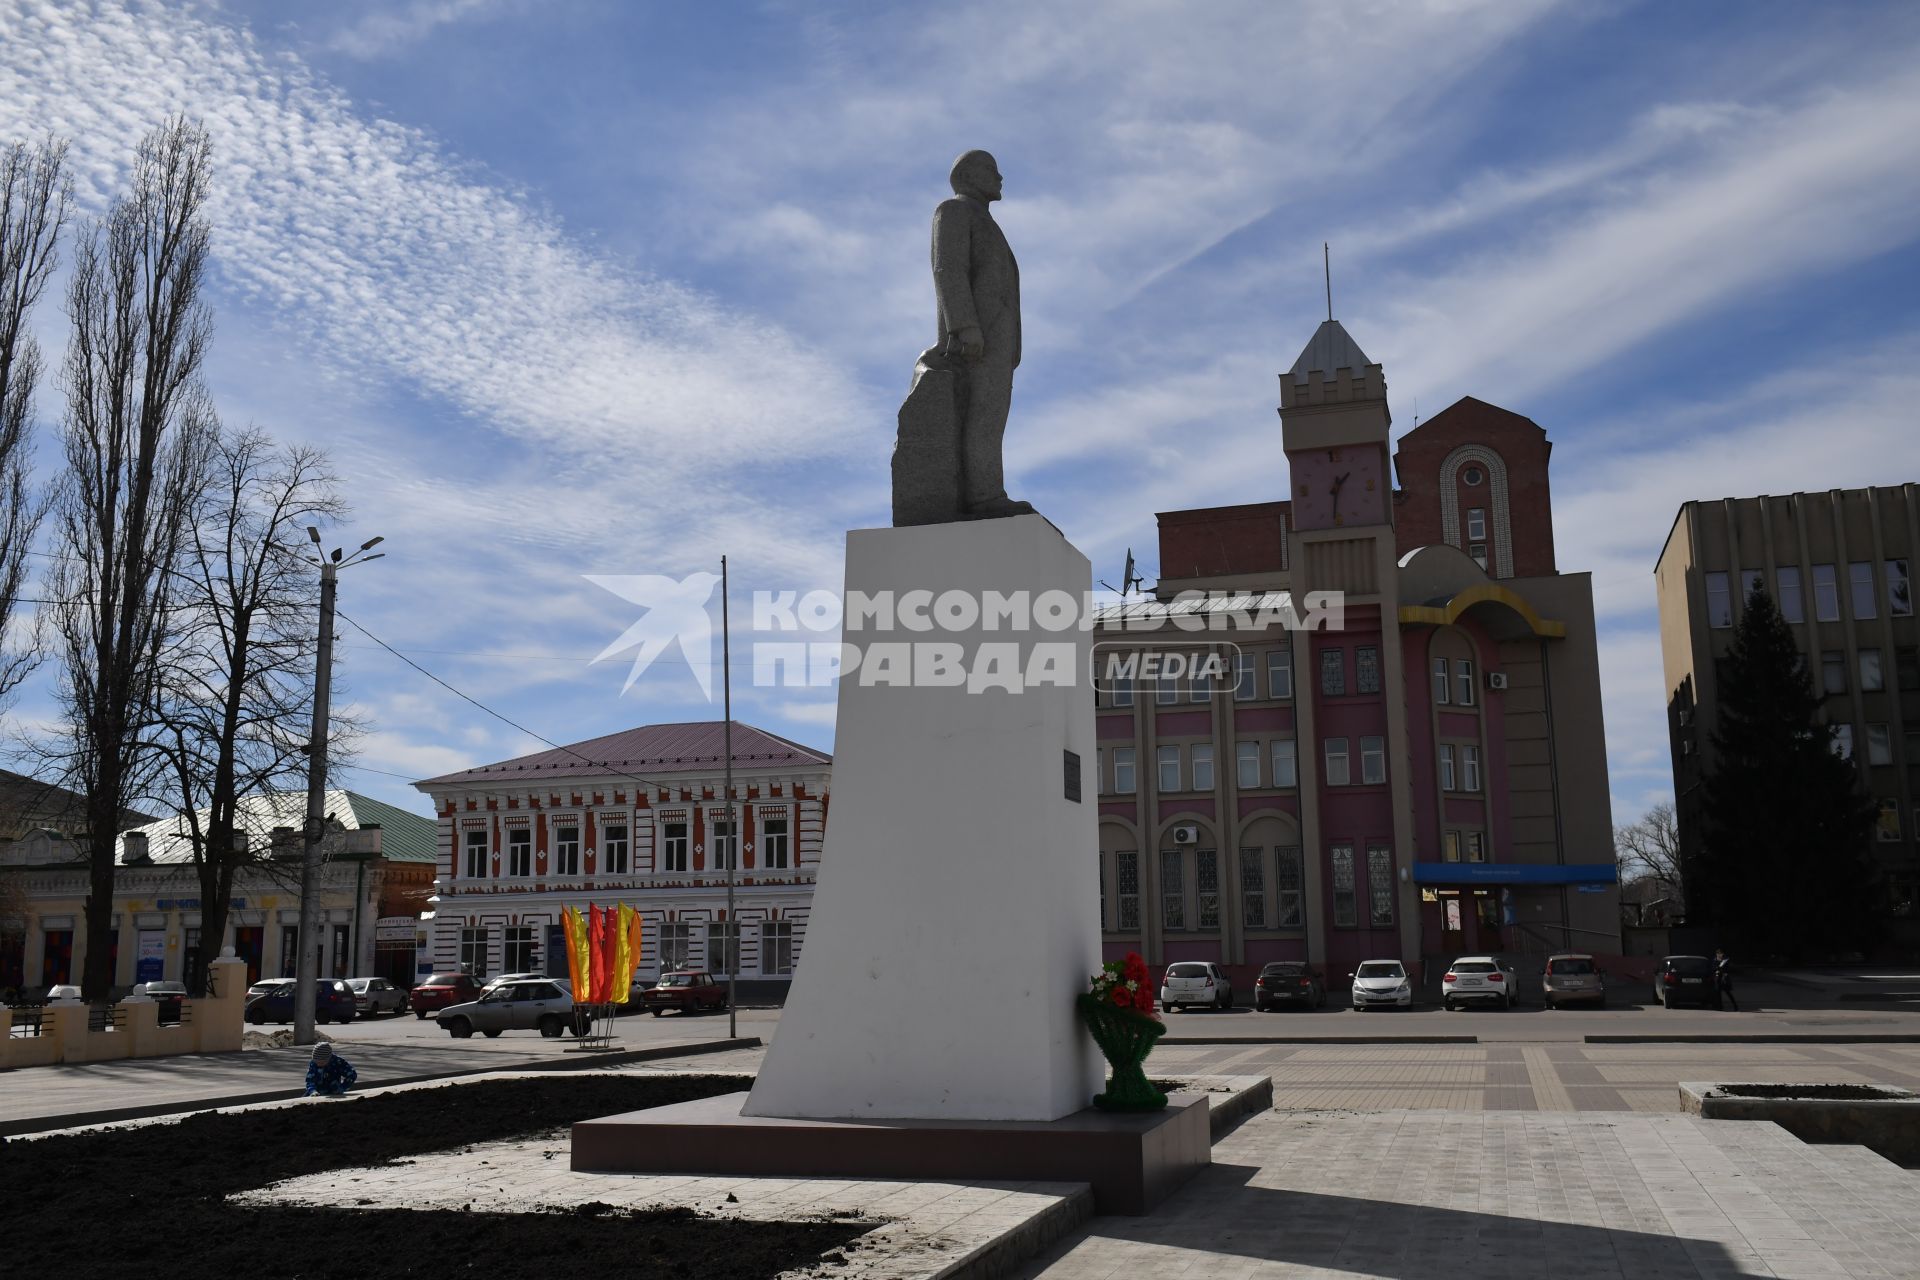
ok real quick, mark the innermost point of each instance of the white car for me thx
(1381, 984)
(62, 991)
(1486, 978)
(1195, 982)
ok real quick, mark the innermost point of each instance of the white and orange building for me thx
(637, 817)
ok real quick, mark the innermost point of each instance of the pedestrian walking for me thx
(1723, 980)
(329, 1074)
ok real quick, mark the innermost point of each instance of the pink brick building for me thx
(1427, 780)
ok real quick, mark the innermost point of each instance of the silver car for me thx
(1381, 984)
(376, 995)
(1572, 978)
(543, 1004)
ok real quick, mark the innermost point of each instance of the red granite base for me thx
(1132, 1161)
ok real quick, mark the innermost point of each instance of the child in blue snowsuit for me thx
(329, 1074)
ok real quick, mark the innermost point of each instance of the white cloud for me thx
(390, 30)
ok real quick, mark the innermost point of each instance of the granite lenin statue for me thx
(946, 459)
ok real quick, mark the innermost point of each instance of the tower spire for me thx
(1326, 263)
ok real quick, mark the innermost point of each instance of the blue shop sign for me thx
(1579, 873)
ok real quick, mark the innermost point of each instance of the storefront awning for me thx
(1441, 873)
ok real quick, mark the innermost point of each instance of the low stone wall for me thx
(1888, 1125)
(213, 1024)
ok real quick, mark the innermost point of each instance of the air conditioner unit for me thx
(1496, 679)
(1186, 833)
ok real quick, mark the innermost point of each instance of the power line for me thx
(502, 718)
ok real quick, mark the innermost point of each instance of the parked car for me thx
(170, 996)
(441, 990)
(542, 1004)
(1289, 982)
(1381, 984)
(1487, 978)
(1191, 983)
(376, 995)
(272, 1001)
(1572, 979)
(685, 990)
(62, 991)
(1683, 980)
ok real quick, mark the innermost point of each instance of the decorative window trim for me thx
(1496, 468)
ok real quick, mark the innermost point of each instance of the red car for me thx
(685, 990)
(441, 990)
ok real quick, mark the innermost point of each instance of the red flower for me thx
(1120, 997)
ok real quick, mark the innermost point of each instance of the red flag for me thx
(597, 940)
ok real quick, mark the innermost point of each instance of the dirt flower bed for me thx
(151, 1201)
(1810, 1092)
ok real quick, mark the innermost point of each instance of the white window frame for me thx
(1123, 691)
(1442, 683)
(1165, 757)
(565, 850)
(1879, 745)
(1446, 766)
(1246, 683)
(1283, 759)
(1793, 606)
(516, 952)
(519, 852)
(1873, 673)
(1279, 674)
(1476, 846)
(1476, 524)
(1246, 761)
(723, 842)
(1166, 691)
(723, 945)
(1719, 599)
(1464, 692)
(1899, 588)
(676, 851)
(1201, 762)
(1335, 750)
(675, 946)
(1861, 596)
(616, 849)
(776, 847)
(776, 948)
(483, 847)
(1470, 768)
(1373, 761)
(1826, 594)
(1126, 781)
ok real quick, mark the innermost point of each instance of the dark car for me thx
(1683, 980)
(685, 990)
(170, 996)
(441, 990)
(1291, 983)
(332, 1001)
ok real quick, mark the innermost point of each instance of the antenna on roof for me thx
(1129, 580)
(1326, 263)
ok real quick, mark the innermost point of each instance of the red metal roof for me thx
(649, 751)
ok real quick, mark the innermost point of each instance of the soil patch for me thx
(150, 1201)
(1825, 1092)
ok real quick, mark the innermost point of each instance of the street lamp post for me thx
(307, 965)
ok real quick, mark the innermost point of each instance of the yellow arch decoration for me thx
(1426, 615)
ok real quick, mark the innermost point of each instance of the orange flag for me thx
(576, 951)
(597, 955)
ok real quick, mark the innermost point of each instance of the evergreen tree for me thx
(1784, 868)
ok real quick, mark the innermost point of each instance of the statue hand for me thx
(969, 341)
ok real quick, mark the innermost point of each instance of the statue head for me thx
(975, 174)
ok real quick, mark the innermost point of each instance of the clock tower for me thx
(1333, 426)
(1349, 678)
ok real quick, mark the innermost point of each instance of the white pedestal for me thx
(957, 911)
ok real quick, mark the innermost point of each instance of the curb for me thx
(1233, 1040)
(1775, 1038)
(1881, 997)
(111, 1115)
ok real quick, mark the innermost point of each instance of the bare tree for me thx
(240, 679)
(1650, 847)
(33, 208)
(135, 438)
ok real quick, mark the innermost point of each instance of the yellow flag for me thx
(626, 952)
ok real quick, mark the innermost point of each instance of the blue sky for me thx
(614, 288)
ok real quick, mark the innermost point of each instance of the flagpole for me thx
(733, 818)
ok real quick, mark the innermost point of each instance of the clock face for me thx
(1338, 488)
